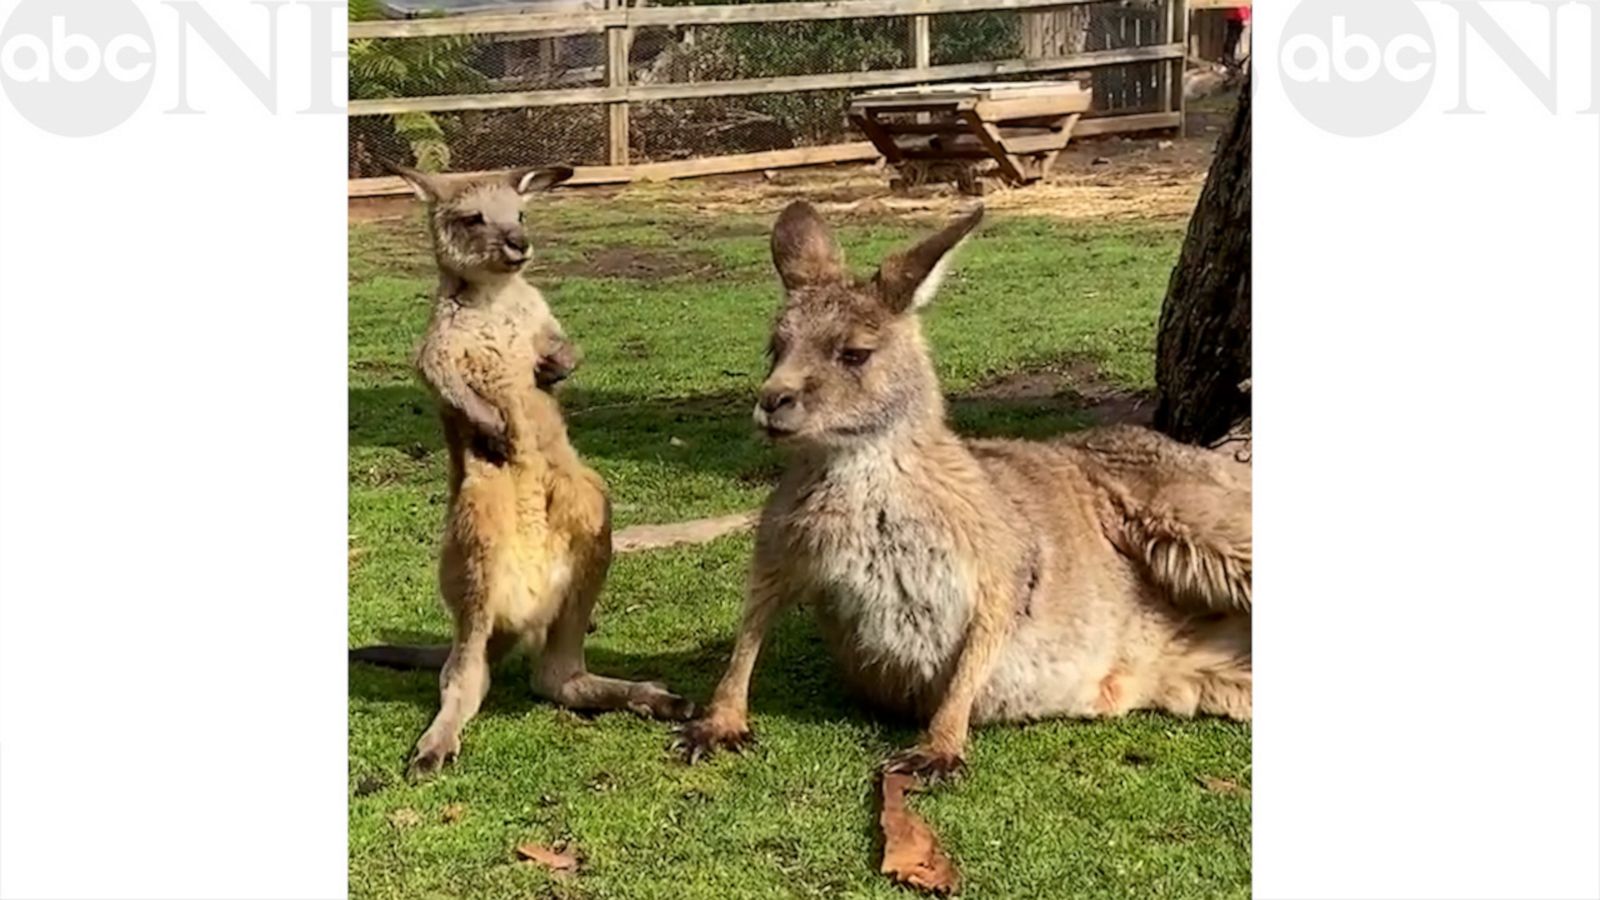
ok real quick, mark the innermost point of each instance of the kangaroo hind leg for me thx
(562, 675)
(463, 683)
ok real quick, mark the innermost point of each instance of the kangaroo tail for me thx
(402, 657)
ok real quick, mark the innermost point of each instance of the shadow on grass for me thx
(707, 433)
(796, 678)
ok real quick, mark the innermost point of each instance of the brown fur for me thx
(527, 537)
(966, 581)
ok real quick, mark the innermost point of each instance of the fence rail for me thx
(641, 16)
(747, 86)
(1149, 61)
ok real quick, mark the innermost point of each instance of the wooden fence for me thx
(1153, 58)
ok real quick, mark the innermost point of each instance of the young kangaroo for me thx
(528, 534)
(961, 581)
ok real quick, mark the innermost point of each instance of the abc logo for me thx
(76, 67)
(1307, 58)
(1356, 67)
(73, 57)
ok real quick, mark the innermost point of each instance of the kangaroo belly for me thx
(894, 613)
(499, 539)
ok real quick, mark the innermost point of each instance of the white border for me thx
(172, 491)
(1427, 337)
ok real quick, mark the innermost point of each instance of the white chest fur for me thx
(889, 587)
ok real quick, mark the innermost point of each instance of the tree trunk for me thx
(1203, 346)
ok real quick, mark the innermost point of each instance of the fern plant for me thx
(413, 67)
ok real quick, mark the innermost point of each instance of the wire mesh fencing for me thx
(546, 94)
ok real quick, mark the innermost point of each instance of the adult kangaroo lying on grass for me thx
(528, 535)
(986, 580)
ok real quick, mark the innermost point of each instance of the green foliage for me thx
(859, 45)
(804, 48)
(976, 37)
(413, 67)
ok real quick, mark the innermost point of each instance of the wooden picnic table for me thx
(1021, 125)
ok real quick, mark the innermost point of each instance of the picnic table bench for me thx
(1021, 125)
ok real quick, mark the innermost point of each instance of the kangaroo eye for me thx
(472, 221)
(521, 217)
(854, 356)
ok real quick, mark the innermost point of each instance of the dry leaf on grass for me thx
(911, 853)
(559, 862)
(453, 813)
(1220, 785)
(405, 818)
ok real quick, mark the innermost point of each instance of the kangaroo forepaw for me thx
(926, 764)
(701, 738)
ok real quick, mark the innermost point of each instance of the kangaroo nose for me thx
(517, 242)
(773, 400)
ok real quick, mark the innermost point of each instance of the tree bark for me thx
(1203, 345)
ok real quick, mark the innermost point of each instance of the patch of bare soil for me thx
(627, 261)
(1112, 178)
(1078, 385)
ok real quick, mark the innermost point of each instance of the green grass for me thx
(661, 409)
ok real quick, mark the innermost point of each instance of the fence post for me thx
(618, 39)
(1178, 33)
(920, 48)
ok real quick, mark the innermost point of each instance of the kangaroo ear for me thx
(804, 249)
(909, 280)
(427, 187)
(528, 182)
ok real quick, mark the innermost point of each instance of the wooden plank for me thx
(1121, 124)
(946, 126)
(972, 151)
(989, 137)
(1169, 77)
(909, 103)
(1007, 132)
(1049, 159)
(640, 93)
(921, 40)
(1015, 147)
(972, 90)
(712, 165)
(821, 10)
(1038, 143)
(1059, 104)
(880, 137)
(532, 23)
(597, 20)
(618, 40)
(920, 50)
(1175, 69)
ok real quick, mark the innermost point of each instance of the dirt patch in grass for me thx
(1080, 385)
(1110, 178)
(643, 263)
